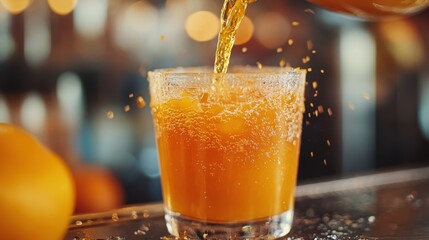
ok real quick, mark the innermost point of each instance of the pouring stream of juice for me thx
(232, 13)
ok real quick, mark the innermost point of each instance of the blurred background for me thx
(73, 73)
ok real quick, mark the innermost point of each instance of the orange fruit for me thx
(36, 188)
(97, 190)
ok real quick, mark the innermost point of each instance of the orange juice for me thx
(228, 153)
(373, 8)
(232, 13)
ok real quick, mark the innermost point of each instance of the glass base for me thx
(269, 228)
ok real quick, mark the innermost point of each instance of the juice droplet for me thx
(110, 115)
(115, 217)
(308, 10)
(140, 102)
(134, 215)
(114, 238)
(246, 228)
(314, 85)
(316, 93)
(139, 232)
(310, 45)
(306, 59)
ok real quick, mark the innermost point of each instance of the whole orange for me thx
(97, 189)
(36, 188)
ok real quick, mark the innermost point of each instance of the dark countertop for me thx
(388, 205)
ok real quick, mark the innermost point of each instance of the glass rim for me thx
(247, 70)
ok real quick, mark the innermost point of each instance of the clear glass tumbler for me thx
(228, 147)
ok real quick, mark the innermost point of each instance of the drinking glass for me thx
(228, 148)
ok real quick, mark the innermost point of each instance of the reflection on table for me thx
(388, 205)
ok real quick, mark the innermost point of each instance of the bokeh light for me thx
(171, 4)
(70, 98)
(62, 7)
(37, 36)
(15, 6)
(135, 24)
(202, 26)
(7, 44)
(403, 39)
(106, 148)
(33, 113)
(272, 29)
(244, 32)
(186, 7)
(148, 162)
(90, 17)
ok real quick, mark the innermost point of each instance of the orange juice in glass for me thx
(228, 147)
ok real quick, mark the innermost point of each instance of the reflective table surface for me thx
(387, 205)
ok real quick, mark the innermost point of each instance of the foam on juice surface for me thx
(243, 117)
